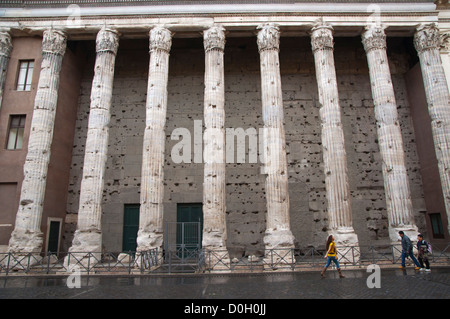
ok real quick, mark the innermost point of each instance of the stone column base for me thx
(25, 247)
(148, 240)
(347, 244)
(410, 230)
(26, 241)
(278, 238)
(279, 249)
(86, 250)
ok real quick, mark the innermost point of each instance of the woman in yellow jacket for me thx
(331, 255)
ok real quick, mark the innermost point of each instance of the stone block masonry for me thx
(245, 190)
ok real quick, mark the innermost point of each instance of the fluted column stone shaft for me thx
(5, 53)
(427, 43)
(398, 196)
(27, 235)
(214, 204)
(150, 234)
(88, 236)
(333, 145)
(278, 233)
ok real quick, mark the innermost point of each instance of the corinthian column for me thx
(5, 53)
(334, 156)
(27, 235)
(426, 41)
(214, 208)
(150, 234)
(396, 185)
(278, 234)
(88, 236)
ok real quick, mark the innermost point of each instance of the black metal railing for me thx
(84, 262)
(204, 261)
(312, 258)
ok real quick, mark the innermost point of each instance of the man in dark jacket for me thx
(407, 250)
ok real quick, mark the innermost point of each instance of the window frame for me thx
(436, 222)
(25, 84)
(11, 126)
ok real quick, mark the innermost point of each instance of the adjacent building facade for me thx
(266, 124)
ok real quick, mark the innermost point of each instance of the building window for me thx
(15, 134)
(436, 225)
(25, 75)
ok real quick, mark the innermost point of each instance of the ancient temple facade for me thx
(265, 124)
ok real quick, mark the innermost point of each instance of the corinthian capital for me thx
(426, 37)
(54, 41)
(374, 38)
(445, 42)
(107, 40)
(160, 39)
(322, 37)
(214, 38)
(5, 44)
(268, 37)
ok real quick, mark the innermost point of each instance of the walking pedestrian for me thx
(407, 251)
(423, 250)
(331, 256)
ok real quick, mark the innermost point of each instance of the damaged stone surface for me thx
(5, 53)
(88, 236)
(339, 206)
(274, 143)
(398, 196)
(151, 218)
(427, 43)
(27, 235)
(214, 201)
(246, 206)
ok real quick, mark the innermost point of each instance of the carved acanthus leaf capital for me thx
(107, 40)
(214, 38)
(5, 44)
(268, 37)
(322, 37)
(160, 39)
(426, 37)
(54, 41)
(445, 42)
(374, 37)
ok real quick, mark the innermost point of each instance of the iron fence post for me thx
(129, 262)
(353, 256)
(48, 262)
(7, 268)
(293, 258)
(89, 262)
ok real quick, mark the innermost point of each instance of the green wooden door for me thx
(130, 227)
(53, 237)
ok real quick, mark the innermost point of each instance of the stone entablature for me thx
(239, 19)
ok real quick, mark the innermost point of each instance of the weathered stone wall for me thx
(245, 193)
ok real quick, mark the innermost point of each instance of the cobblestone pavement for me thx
(394, 284)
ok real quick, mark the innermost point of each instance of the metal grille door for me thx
(183, 238)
